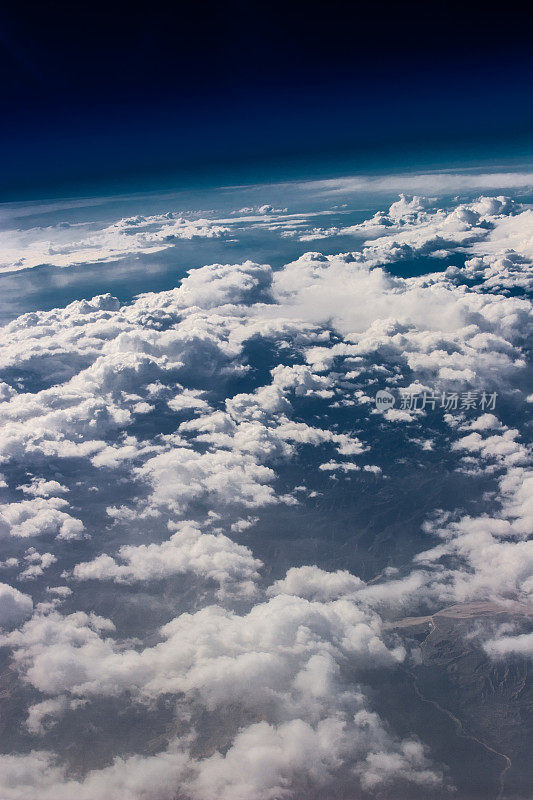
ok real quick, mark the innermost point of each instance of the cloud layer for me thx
(151, 451)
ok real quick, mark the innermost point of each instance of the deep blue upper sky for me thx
(109, 95)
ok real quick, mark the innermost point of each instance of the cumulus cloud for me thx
(316, 584)
(211, 556)
(163, 400)
(502, 646)
(42, 488)
(14, 605)
(280, 661)
(39, 517)
(263, 644)
(493, 553)
(37, 563)
(265, 761)
(133, 778)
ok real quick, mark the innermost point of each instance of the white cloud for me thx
(14, 605)
(316, 584)
(426, 182)
(502, 646)
(335, 328)
(63, 246)
(37, 563)
(39, 487)
(281, 661)
(133, 778)
(212, 557)
(39, 517)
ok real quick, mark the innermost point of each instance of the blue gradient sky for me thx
(107, 96)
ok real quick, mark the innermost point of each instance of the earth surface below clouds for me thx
(226, 572)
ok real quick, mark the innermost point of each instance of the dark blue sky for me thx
(107, 95)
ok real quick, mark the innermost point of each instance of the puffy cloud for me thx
(59, 591)
(502, 646)
(501, 446)
(511, 233)
(493, 554)
(300, 379)
(43, 715)
(281, 661)
(485, 422)
(163, 398)
(269, 644)
(183, 475)
(332, 466)
(316, 584)
(14, 605)
(210, 556)
(37, 563)
(42, 488)
(39, 517)
(474, 339)
(265, 761)
(133, 778)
